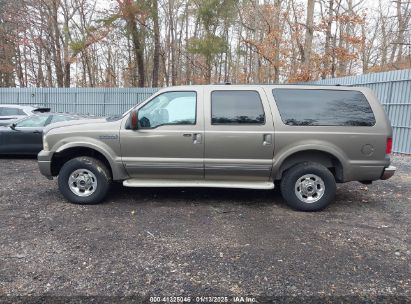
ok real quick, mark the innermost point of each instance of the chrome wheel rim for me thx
(309, 188)
(82, 182)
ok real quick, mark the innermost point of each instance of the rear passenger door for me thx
(239, 134)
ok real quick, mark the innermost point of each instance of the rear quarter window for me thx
(299, 107)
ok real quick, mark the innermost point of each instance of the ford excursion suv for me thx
(304, 139)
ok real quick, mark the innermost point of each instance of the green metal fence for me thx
(392, 88)
(92, 101)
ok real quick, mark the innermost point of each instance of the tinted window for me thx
(10, 111)
(171, 108)
(236, 107)
(33, 122)
(323, 107)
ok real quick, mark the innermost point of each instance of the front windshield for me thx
(32, 122)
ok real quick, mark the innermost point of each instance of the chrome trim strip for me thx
(238, 167)
(164, 166)
(196, 166)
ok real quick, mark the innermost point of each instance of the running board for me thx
(197, 183)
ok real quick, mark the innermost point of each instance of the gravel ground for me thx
(203, 242)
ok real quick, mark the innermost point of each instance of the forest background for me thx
(156, 43)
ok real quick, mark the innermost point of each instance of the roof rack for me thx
(287, 84)
(222, 83)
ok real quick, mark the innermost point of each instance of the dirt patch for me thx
(203, 242)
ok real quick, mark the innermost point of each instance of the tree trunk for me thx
(403, 20)
(309, 31)
(67, 63)
(277, 12)
(173, 46)
(384, 38)
(56, 45)
(156, 55)
(138, 51)
(328, 39)
(188, 56)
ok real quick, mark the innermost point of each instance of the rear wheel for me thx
(84, 180)
(308, 187)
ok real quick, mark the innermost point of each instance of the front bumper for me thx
(388, 172)
(44, 162)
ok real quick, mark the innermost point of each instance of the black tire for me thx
(277, 185)
(292, 175)
(97, 168)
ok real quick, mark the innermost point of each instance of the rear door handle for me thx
(267, 139)
(197, 138)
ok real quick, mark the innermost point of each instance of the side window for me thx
(33, 122)
(301, 107)
(10, 112)
(236, 107)
(170, 108)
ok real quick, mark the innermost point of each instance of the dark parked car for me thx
(12, 113)
(26, 135)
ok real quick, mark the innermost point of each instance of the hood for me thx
(74, 123)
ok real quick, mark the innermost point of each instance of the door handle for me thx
(187, 134)
(267, 139)
(37, 132)
(197, 138)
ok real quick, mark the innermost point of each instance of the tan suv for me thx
(302, 138)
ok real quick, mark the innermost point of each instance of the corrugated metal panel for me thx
(393, 89)
(93, 101)
(369, 78)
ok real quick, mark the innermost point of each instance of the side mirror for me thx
(133, 120)
(13, 126)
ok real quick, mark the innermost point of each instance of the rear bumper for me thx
(388, 172)
(44, 162)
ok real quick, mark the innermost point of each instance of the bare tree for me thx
(169, 42)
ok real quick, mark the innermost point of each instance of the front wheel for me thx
(84, 180)
(308, 187)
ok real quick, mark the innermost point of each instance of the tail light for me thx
(388, 148)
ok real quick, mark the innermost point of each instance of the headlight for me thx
(45, 144)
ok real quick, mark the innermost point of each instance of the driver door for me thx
(169, 142)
